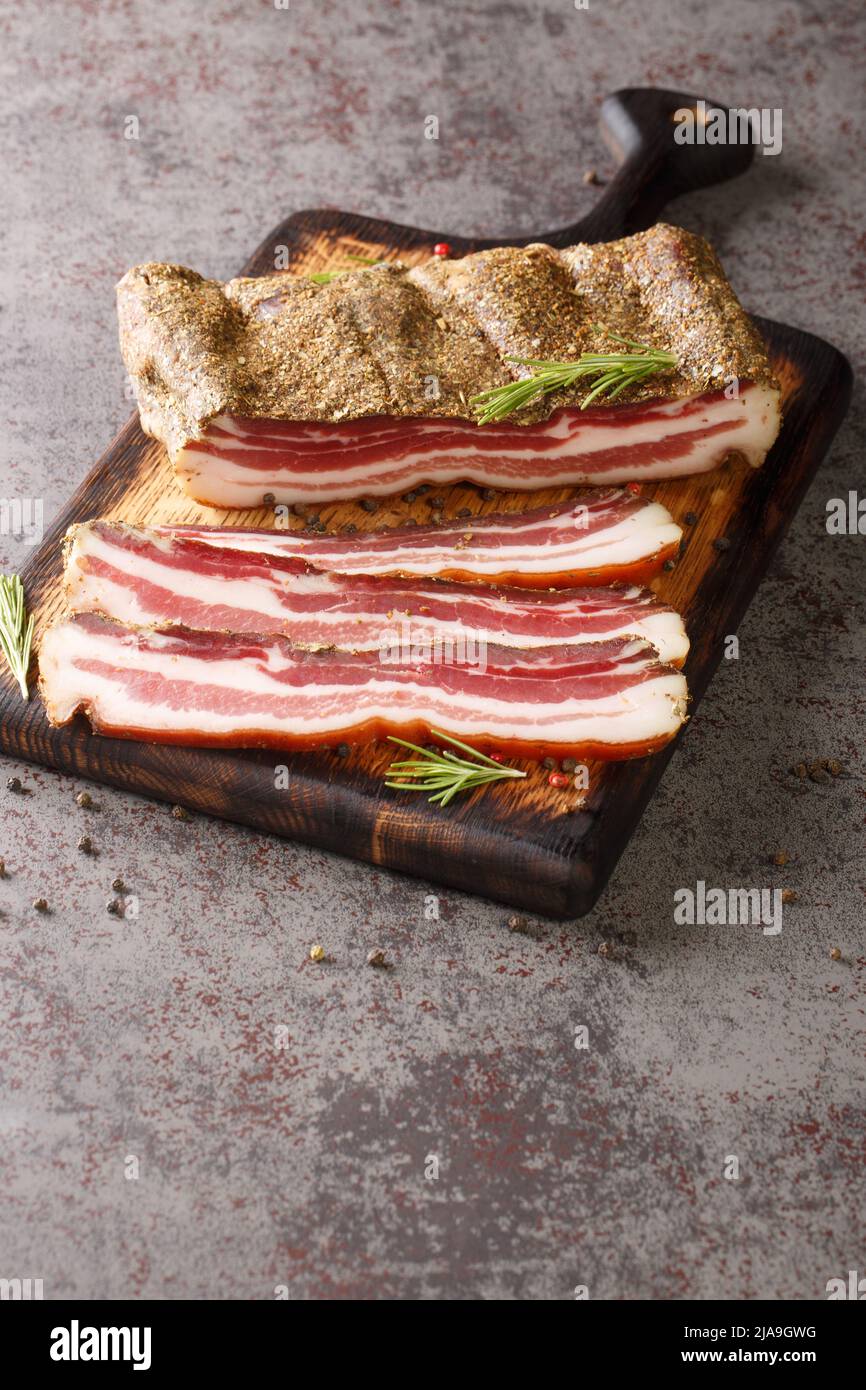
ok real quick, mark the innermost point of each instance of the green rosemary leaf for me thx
(612, 372)
(16, 630)
(324, 277)
(443, 772)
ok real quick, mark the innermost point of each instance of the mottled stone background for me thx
(154, 1036)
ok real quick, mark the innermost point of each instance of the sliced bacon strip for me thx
(156, 578)
(239, 460)
(605, 536)
(610, 700)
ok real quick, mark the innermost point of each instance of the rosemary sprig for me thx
(444, 773)
(614, 371)
(16, 629)
(324, 277)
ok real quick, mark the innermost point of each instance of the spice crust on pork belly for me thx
(369, 343)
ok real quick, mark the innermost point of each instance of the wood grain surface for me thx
(525, 844)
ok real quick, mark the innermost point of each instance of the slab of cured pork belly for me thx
(605, 536)
(156, 578)
(277, 387)
(610, 700)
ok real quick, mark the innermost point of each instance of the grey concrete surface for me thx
(297, 1158)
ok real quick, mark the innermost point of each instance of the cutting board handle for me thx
(638, 126)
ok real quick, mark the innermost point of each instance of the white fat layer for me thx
(86, 590)
(648, 710)
(266, 602)
(633, 538)
(753, 418)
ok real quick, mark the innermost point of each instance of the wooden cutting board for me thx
(527, 845)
